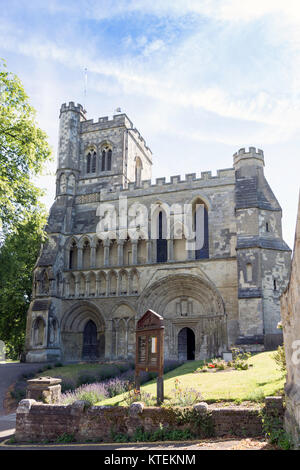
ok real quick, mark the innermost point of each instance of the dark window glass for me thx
(109, 153)
(161, 243)
(103, 161)
(204, 251)
(88, 163)
(94, 162)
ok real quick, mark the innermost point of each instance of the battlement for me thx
(71, 107)
(117, 120)
(244, 156)
(224, 176)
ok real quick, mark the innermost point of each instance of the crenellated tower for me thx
(262, 255)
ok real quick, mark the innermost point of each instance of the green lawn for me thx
(261, 380)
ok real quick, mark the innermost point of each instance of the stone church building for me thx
(89, 291)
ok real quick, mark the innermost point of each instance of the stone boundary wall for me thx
(37, 422)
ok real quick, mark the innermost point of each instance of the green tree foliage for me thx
(18, 256)
(23, 151)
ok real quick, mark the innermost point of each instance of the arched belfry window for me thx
(94, 162)
(88, 163)
(162, 244)
(109, 154)
(106, 158)
(91, 162)
(200, 225)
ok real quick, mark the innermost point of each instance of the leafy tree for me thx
(23, 151)
(18, 256)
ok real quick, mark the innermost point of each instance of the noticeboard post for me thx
(149, 355)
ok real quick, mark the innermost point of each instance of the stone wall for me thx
(290, 308)
(37, 422)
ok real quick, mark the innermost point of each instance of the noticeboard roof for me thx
(150, 320)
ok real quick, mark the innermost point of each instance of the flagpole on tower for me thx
(85, 87)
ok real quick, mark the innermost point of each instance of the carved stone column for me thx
(134, 244)
(170, 249)
(77, 280)
(120, 252)
(93, 257)
(87, 285)
(79, 258)
(106, 245)
(149, 251)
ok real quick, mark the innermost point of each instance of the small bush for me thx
(279, 358)
(116, 387)
(91, 393)
(133, 396)
(184, 396)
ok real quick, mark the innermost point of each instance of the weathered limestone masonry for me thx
(37, 422)
(290, 311)
(89, 293)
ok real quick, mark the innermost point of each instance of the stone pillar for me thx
(67, 288)
(79, 258)
(44, 389)
(106, 245)
(134, 244)
(117, 336)
(97, 285)
(170, 249)
(77, 286)
(93, 257)
(87, 285)
(149, 251)
(120, 252)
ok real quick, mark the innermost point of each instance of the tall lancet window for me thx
(109, 154)
(88, 162)
(106, 158)
(200, 214)
(161, 242)
(94, 162)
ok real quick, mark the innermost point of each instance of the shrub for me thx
(134, 395)
(275, 433)
(279, 358)
(91, 393)
(185, 396)
(116, 386)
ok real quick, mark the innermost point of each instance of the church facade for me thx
(94, 280)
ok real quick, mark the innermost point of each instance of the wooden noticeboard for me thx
(150, 349)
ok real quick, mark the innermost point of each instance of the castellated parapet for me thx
(250, 158)
(89, 291)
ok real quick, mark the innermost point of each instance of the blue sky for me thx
(199, 78)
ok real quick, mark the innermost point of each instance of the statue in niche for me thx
(38, 333)
(53, 330)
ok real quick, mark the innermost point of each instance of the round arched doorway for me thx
(90, 343)
(186, 345)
